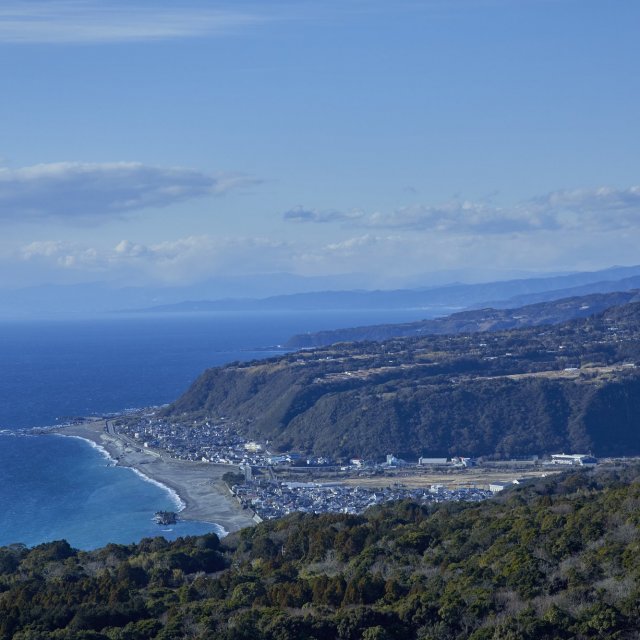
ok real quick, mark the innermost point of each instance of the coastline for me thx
(196, 488)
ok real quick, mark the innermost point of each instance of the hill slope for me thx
(573, 386)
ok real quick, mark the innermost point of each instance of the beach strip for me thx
(196, 488)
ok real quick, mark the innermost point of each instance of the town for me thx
(272, 484)
(269, 500)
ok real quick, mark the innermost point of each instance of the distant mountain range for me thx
(434, 300)
(288, 292)
(106, 297)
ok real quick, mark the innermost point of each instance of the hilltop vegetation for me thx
(572, 386)
(559, 558)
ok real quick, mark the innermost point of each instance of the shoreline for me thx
(196, 488)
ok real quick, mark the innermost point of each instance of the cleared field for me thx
(480, 478)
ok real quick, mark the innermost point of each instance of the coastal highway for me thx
(127, 441)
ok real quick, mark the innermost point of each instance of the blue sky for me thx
(171, 142)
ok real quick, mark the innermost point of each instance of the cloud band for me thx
(92, 192)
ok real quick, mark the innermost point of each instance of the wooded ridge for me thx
(572, 386)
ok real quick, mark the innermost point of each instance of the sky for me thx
(168, 142)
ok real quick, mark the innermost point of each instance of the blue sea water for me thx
(53, 487)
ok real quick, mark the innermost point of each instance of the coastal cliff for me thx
(572, 386)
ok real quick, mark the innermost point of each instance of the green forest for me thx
(552, 559)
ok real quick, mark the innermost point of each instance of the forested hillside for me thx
(573, 386)
(555, 559)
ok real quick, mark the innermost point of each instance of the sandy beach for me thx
(199, 485)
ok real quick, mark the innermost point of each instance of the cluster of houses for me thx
(198, 441)
(204, 441)
(273, 500)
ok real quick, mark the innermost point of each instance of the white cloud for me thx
(302, 214)
(90, 21)
(597, 209)
(456, 216)
(67, 255)
(181, 260)
(46, 248)
(384, 257)
(93, 192)
(128, 249)
(601, 208)
(192, 258)
(365, 253)
(115, 21)
(359, 243)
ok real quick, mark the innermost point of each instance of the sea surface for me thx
(54, 487)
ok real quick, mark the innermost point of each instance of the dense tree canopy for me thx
(557, 558)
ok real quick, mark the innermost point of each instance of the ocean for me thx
(53, 487)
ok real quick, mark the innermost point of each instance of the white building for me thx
(392, 461)
(573, 459)
(433, 461)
